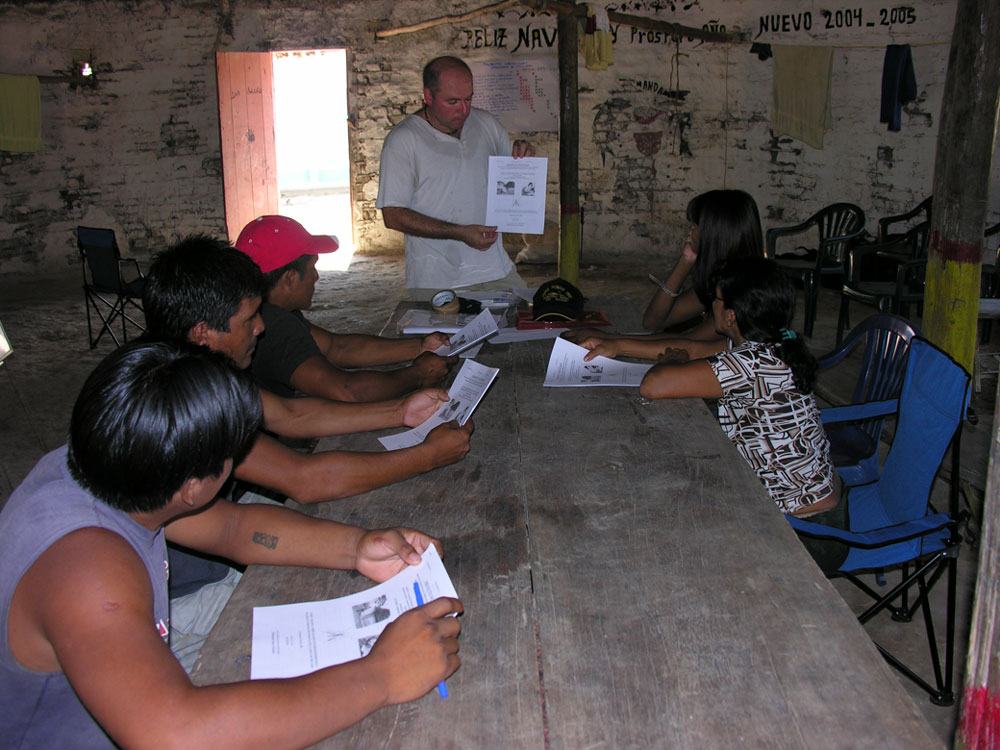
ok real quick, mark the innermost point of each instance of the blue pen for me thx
(442, 688)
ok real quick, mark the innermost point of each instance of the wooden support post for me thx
(569, 151)
(961, 180)
(979, 719)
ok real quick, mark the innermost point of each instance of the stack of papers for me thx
(295, 639)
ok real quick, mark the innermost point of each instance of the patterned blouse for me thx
(775, 427)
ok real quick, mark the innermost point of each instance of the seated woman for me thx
(764, 382)
(724, 224)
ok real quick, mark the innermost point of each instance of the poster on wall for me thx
(522, 94)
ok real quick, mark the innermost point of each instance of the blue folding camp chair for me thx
(891, 523)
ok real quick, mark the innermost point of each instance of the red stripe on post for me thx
(954, 250)
(980, 726)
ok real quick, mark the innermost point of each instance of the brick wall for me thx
(139, 151)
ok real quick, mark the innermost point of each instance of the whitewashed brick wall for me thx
(140, 151)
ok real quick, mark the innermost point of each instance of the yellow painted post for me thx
(951, 306)
(962, 173)
(569, 246)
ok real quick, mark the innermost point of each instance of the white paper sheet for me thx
(429, 321)
(295, 639)
(474, 332)
(515, 198)
(567, 368)
(467, 390)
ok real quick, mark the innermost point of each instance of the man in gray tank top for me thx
(84, 660)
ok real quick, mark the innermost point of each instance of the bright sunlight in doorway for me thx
(310, 134)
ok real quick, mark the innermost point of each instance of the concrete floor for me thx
(45, 320)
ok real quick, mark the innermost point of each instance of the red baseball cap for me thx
(275, 241)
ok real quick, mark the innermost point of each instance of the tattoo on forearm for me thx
(265, 540)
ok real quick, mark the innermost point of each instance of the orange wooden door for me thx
(246, 122)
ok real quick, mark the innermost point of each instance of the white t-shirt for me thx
(445, 178)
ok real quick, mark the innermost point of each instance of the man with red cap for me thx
(296, 355)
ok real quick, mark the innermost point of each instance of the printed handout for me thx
(467, 390)
(515, 200)
(295, 639)
(475, 331)
(567, 368)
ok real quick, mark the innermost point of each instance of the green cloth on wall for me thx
(20, 113)
(800, 102)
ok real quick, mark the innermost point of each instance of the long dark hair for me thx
(728, 227)
(763, 298)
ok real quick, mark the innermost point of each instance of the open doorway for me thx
(283, 121)
(310, 135)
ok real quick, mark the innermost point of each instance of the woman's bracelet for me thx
(663, 287)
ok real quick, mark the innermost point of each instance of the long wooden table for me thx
(627, 584)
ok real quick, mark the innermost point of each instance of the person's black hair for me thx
(763, 298)
(299, 265)
(728, 227)
(153, 415)
(437, 66)
(198, 279)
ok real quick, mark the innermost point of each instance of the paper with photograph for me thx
(475, 332)
(290, 640)
(567, 368)
(515, 199)
(467, 390)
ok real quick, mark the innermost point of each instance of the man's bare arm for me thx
(331, 475)
(408, 221)
(89, 600)
(318, 377)
(360, 350)
(317, 417)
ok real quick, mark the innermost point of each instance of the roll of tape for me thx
(445, 301)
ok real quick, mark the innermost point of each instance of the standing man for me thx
(433, 184)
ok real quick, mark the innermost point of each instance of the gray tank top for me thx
(40, 709)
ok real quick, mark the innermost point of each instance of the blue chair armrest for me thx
(877, 537)
(856, 412)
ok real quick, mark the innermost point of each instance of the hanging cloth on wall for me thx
(899, 83)
(595, 41)
(20, 113)
(800, 100)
